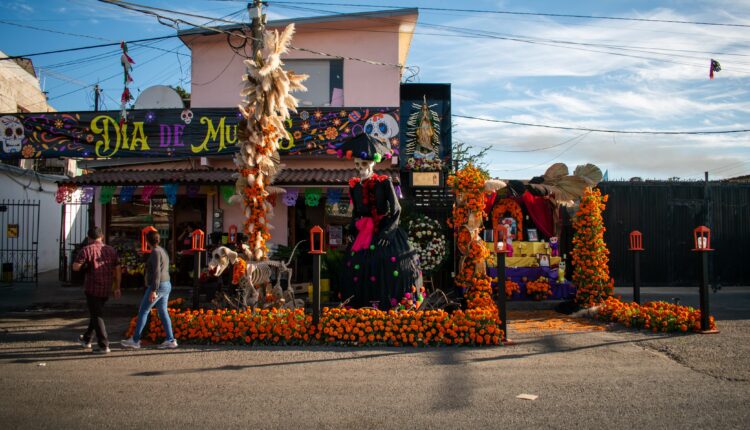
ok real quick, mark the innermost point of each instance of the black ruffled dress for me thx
(380, 265)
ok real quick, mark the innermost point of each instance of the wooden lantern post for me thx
(702, 243)
(500, 237)
(636, 245)
(198, 240)
(316, 250)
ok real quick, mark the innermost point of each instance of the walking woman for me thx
(158, 288)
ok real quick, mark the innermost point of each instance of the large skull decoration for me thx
(187, 116)
(381, 127)
(11, 133)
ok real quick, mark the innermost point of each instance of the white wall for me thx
(19, 184)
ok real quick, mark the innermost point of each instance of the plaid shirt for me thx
(101, 261)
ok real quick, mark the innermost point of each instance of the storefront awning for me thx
(287, 177)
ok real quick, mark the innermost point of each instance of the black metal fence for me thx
(74, 225)
(19, 221)
(666, 213)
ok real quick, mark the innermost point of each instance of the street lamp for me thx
(636, 245)
(702, 243)
(198, 240)
(316, 250)
(500, 235)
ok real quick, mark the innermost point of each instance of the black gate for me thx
(19, 221)
(73, 228)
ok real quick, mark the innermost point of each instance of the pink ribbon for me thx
(365, 226)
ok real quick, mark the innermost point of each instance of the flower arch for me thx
(512, 206)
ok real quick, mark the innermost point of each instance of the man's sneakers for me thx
(168, 344)
(104, 350)
(130, 344)
(84, 344)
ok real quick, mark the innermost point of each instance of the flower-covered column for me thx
(268, 102)
(590, 253)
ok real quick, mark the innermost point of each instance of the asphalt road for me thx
(609, 379)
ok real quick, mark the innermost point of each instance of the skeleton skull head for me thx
(187, 116)
(381, 127)
(364, 167)
(11, 133)
(220, 260)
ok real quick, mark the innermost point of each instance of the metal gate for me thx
(74, 226)
(19, 221)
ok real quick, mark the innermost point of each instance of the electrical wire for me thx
(103, 45)
(537, 149)
(580, 139)
(602, 130)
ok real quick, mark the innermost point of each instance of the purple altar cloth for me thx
(564, 291)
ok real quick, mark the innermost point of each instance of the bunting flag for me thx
(227, 191)
(715, 67)
(312, 196)
(87, 194)
(126, 193)
(127, 66)
(105, 194)
(290, 198)
(171, 191)
(333, 195)
(64, 192)
(192, 190)
(148, 191)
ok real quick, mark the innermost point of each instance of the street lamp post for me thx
(702, 242)
(198, 241)
(500, 235)
(636, 245)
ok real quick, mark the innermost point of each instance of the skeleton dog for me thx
(253, 274)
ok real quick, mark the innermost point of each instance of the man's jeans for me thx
(162, 296)
(96, 321)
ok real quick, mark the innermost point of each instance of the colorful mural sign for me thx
(425, 127)
(181, 133)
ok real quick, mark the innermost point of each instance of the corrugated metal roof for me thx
(217, 176)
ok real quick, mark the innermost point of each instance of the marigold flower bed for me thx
(345, 327)
(654, 316)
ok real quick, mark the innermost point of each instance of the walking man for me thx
(102, 278)
(158, 288)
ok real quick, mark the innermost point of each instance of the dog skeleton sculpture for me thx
(253, 275)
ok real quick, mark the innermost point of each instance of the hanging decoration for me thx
(266, 106)
(192, 190)
(427, 238)
(715, 67)
(399, 194)
(127, 67)
(312, 196)
(147, 192)
(333, 197)
(126, 193)
(227, 191)
(105, 194)
(171, 191)
(290, 198)
(87, 194)
(590, 253)
(64, 192)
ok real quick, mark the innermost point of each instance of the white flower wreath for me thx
(426, 237)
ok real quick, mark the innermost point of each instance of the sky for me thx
(573, 72)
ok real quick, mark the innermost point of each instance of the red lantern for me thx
(232, 233)
(145, 246)
(500, 236)
(636, 241)
(198, 240)
(702, 238)
(316, 240)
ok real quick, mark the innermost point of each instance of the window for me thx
(325, 85)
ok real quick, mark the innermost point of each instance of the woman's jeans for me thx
(162, 296)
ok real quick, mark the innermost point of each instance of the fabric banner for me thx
(198, 132)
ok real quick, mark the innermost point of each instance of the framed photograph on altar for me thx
(532, 235)
(543, 260)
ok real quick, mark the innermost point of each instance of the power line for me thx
(538, 149)
(580, 139)
(80, 48)
(508, 12)
(601, 130)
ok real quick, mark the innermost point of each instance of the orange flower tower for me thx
(590, 253)
(267, 104)
(468, 215)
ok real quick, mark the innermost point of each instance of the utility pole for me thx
(97, 90)
(258, 25)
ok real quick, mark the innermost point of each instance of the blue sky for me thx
(550, 81)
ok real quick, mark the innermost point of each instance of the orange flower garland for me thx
(511, 287)
(512, 206)
(349, 327)
(590, 253)
(539, 289)
(654, 316)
